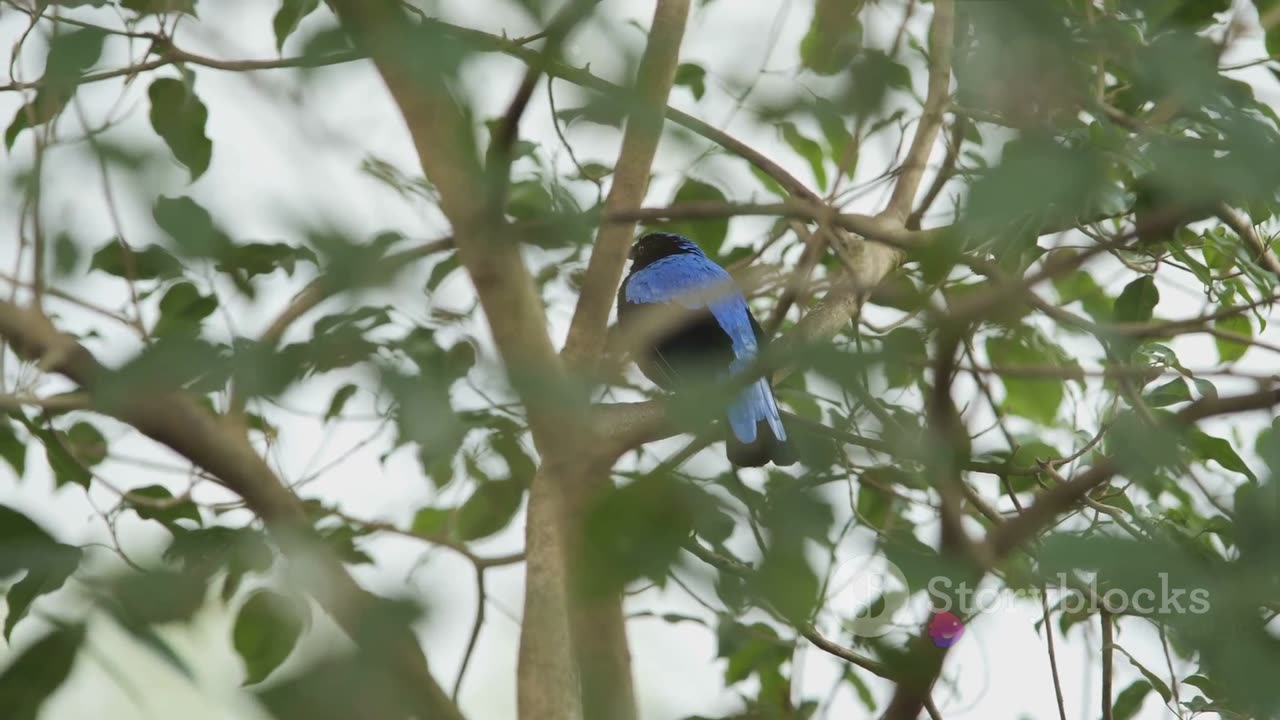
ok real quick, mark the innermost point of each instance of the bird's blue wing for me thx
(678, 278)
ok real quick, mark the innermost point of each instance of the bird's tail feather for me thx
(756, 435)
(765, 448)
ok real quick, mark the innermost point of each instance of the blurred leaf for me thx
(1158, 684)
(204, 552)
(442, 270)
(637, 530)
(1079, 286)
(1207, 447)
(433, 522)
(191, 227)
(339, 401)
(489, 509)
(156, 597)
(24, 545)
(71, 54)
(1018, 190)
(182, 309)
(149, 263)
(808, 149)
(905, 355)
(1129, 701)
(1034, 399)
(1137, 302)
(179, 118)
(288, 17)
(86, 443)
(159, 7)
(66, 468)
(266, 631)
(692, 76)
(47, 573)
(170, 513)
(752, 649)
(1231, 350)
(708, 234)
(252, 259)
(38, 672)
(12, 448)
(348, 686)
(834, 36)
(341, 540)
(423, 415)
(874, 505)
(1172, 392)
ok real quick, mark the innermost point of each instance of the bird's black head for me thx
(657, 245)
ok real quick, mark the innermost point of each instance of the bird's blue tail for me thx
(756, 434)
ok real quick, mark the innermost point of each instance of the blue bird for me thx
(720, 338)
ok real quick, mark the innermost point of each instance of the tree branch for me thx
(174, 419)
(630, 181)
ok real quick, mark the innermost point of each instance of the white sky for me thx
(285, 151)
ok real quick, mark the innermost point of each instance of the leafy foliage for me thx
(1046, 389)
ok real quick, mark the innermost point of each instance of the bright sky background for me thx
(288, 150)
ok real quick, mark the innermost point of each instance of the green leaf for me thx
(170, 513)
(1033, 399)
(808, 149)
(20, 537)
(191, 227)
(1175, 391)
(156, 597)
(252, 259)
(71, 54)
(637, 530)
(1207, 447)
(874, 505)
(288, 17)
(182, 309)
(489, 509)
(708, 234)
(205, 551)
(694, 77)
(160, 7)
(1231, 350)
(1137, 302)
(266, 631)
(179, 118)
(442, 270)
(1079, 286)
(24, 545)
(1158, 684)
(341, 540)
(339, 401)
(148, 263)
(46, 574)
(432, 522)
(905, 352)
(39, 671)
(12, 448)
(1129, 701)
(352, 685)
(66, 469)
(86, 443)
(834, 36)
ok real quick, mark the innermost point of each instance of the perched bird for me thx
(719, 338)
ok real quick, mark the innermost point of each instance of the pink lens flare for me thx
(945, 629)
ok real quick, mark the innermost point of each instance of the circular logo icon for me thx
(863, 597)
